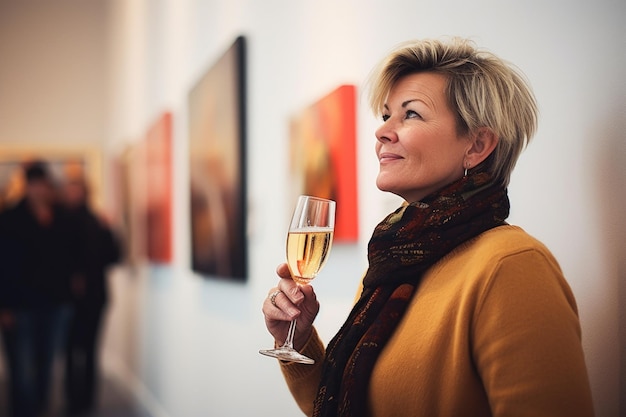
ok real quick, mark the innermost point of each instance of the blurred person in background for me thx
(99, 250)
(38, 246)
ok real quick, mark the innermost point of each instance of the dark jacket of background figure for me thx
(37, 262)
(100, 249)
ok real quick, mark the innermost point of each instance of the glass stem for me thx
(292, 331)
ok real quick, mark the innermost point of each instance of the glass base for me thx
(287, 354)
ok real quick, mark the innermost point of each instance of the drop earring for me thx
(467, 166)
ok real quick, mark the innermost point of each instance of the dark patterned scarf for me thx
(404, 245)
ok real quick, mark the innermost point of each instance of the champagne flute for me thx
(309, 240)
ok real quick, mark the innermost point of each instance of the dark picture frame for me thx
(217, 176)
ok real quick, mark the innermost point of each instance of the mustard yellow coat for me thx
(492, 331)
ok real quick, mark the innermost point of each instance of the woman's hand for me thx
(292, 302)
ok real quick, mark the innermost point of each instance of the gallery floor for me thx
(114, 401)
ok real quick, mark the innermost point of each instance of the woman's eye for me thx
(411, 114)
(385, 117)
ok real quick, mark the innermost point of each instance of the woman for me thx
(459, 314)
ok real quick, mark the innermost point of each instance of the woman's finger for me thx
(278, 303)
(288, 286)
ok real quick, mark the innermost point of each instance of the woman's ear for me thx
(483, 142)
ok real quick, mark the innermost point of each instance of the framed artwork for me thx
(118, 198)
(217, 135)
(128, 175)
(63, 161)
(323, 156)
(158, 159)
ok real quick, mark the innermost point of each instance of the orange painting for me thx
(323, 156)
(159, 190)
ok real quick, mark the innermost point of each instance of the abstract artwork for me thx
(323, 156)
(158, 155)
(217, 133)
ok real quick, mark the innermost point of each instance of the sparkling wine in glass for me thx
(309, 240)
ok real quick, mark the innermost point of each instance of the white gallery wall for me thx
(53, 71)
(188, 345)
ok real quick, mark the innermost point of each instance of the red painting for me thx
(158, 177)
(323, 156)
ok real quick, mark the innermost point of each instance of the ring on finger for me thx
(273, 297)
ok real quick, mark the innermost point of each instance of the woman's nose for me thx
(386, 133)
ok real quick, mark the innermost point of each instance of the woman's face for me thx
(418, 147)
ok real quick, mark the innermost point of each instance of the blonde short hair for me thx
(483, 90)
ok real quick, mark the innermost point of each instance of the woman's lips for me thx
(388, 157)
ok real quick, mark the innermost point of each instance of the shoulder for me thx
(484, 256)
(510, 262)
(504, 259)
(508, 238)
(506, 243)
(13, 213)
(16, 207)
